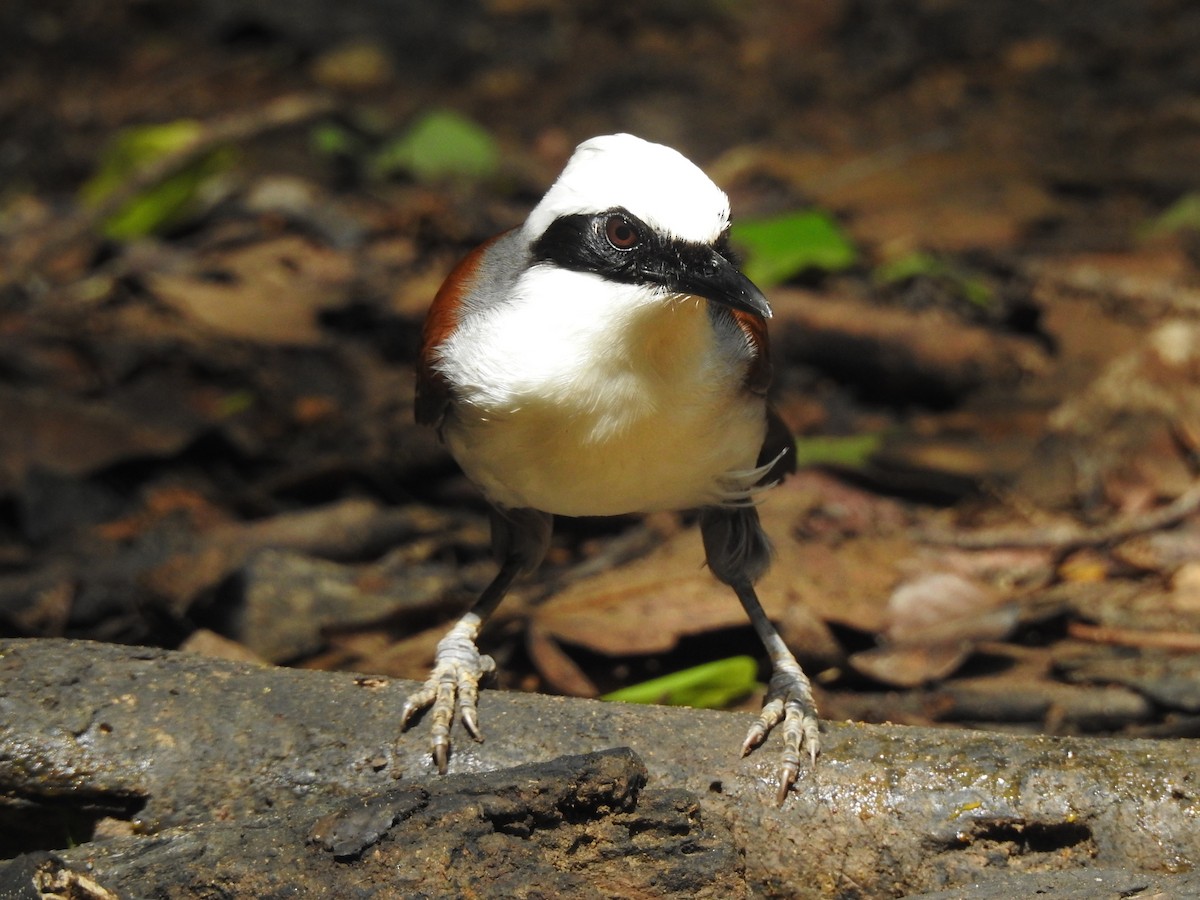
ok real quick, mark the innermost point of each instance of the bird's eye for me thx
(621, 234)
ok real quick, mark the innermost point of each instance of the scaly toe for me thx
(789, 701)
(451, 689)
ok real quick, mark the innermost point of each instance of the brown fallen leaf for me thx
(926, 346)
(934, 622)
(943, 607)
(1185, 588)
(205, 642)
(645, 607)
(556, 667)
(910, 666)
(648, 605)
(70, 436)
(1136, 605)
(344, 529)
(1155, 280)
(1161, 551)
(1130, 432)
(286, 602)
(269, 291)
(924, 191)
(1004, 568)
(159, 503)
(378, 653)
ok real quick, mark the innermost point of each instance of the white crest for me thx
(659, 185)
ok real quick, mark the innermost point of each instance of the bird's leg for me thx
(738, 554)
(789, 698)
(458, 667)
(519, 541)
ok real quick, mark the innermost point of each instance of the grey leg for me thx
(519, 541)
(738, 554)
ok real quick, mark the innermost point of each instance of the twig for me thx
(1065, 537)
(1132, 637)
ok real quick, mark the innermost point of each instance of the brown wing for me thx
(433, 390)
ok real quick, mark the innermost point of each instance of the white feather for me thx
(659, 185)
(579, 396)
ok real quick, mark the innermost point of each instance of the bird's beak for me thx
(717, 279)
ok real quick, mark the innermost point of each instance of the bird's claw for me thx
(452, 686)
(789, 700)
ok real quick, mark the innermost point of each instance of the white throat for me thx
(576, 395)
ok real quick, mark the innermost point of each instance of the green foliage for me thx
(712, 685)
(781, 247)
(441, 145)
(955, 278)
(165, 203)
(330, 139)
(235, 402)
(1182, 215)
(851, 451)
(909, 266)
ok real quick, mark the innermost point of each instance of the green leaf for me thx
(1182, 215)
(234, 403)
(782, 247)
(713, 685)
(850, 451)
(960, 281)
(134, 148)
(911, 265)
(330, 139)
(165, 203)
(441, 145)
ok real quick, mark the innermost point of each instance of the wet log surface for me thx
(171, 774)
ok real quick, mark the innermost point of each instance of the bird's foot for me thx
(452, 685)
(789, 700)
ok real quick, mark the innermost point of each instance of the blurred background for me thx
(221, 222)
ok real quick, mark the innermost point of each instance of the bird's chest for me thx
(630, 410)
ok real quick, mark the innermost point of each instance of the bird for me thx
(609, 357)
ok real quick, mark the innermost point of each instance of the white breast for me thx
(581, 397)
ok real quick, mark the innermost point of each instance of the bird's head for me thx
(639, 213)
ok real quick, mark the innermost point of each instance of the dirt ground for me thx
(207, 435)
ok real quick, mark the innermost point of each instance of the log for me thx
(155, 773)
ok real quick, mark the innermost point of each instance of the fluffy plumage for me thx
(574, 374)
(608, 357)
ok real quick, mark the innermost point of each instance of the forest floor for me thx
(207, 436)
